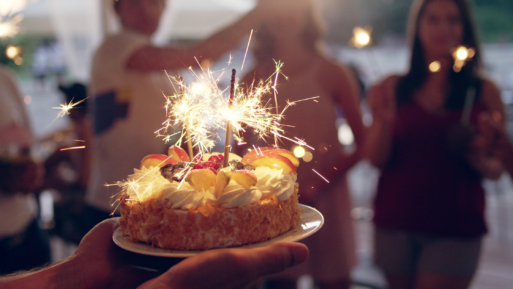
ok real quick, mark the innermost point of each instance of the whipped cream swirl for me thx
(235, 195)
(145, 183)
(275, 182)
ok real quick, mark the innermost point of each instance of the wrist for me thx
(59, 275)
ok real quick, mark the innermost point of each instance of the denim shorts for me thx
(400, 252)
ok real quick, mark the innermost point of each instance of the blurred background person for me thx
(294, 37)
(41, 60)
(22, 243)
(429, 208)
(68, 167)
(127, 87)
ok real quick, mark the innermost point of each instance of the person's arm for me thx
(381, 99)
(99, 263)
(480, 157)
(345, 92)
(157, 58)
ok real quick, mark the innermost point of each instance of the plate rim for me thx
(118, 238)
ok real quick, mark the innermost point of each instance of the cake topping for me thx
(246, 180)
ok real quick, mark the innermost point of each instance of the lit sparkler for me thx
(205, 106)
(461, 55)
(361, 37)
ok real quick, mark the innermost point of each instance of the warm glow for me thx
(345, 134)
(10, 28)
(27, 99)
(434, 66)
(361, 37)
(9, 7)
(299, 151)
(199, 88)
(462, 53)
(18, 60)
(12, 51)
(308, 157)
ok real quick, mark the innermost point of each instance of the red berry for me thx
(221, 157)
(214, 159)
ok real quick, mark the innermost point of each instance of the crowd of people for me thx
(436, 134)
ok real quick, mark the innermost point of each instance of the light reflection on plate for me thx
(311, 221)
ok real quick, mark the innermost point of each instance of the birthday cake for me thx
(174, 203)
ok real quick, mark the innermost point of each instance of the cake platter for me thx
(310, 222)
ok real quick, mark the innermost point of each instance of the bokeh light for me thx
(299, 151)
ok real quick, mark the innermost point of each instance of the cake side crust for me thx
(207, 227)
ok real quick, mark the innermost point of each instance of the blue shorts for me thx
(405, 253)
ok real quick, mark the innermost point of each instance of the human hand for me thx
(103, 264)
(490, 127)
(486, 150)
(108, 266)
(381, 99)
(230, 268)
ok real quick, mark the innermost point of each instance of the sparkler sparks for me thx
(73, 148)
(66, 107)
(203, 106)
(321, 176)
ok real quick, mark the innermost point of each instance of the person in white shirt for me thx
(22, 244)
(127, 87)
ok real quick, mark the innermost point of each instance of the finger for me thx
(232, 268)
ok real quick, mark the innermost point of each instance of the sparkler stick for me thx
(187, 130)
(229, 123)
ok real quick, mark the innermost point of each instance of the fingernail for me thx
(300, 255)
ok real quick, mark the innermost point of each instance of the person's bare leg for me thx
(427, 280)
(400, 281)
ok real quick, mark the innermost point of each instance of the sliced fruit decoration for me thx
(273, 158)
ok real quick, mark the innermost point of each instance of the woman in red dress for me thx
(429, 208)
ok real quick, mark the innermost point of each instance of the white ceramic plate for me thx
(310, 222)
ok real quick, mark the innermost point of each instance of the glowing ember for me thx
(73, 148)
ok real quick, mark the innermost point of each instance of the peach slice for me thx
(285, 153)
(222, 180)
(178, 154)
(201, 179)
(265, 150)
(156, 161)
(257, 151)
(231, 156)
(244, 178)
(273, 161)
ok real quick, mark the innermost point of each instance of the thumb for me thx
(230, 268)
